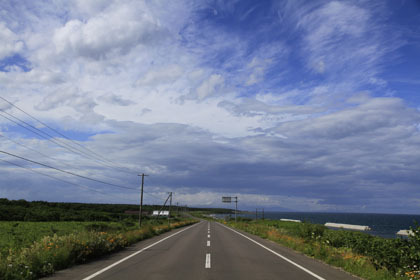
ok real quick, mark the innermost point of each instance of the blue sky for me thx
(290, 105)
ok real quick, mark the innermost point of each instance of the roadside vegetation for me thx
(17, 235)
(42, 211)
(55, 252)
(361, 254)
(30, 250)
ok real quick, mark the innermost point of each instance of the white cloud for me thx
(378, 82)
(9, 42)
(92, 7)
(366, 119)
(32, 78)
(114, 31)
(257, 67)
(210, 86)
(75, 100)
(202, 108)
(320, 67)
(344, 40)
(114, 99)
(167, 74)
(362, 149)
(335, 19)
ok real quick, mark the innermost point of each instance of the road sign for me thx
(227, 199)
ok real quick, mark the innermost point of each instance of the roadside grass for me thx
(16, 235)
(33, 250)
(360, 254)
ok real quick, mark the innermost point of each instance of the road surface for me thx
(207, 250)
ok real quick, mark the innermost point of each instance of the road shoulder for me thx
(316, 266)
(82, 271)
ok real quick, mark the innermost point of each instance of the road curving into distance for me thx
(207, 250)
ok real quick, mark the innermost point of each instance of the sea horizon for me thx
(383, 225)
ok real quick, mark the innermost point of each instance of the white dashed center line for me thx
(208, 265)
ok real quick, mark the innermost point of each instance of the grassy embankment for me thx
(361, 254)
(59, 245)
(37, 238)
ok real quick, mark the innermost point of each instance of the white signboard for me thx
(161, 213)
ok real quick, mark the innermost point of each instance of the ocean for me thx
(384, 225)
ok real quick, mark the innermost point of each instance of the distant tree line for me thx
(38, 211)
(22, 210)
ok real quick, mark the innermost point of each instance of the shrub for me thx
(311, 232)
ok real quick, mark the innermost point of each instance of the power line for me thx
(56, 141)
(58, 179)
(64, 171)
(59, 133)
(62, 144)
(51, 140)
(56, 131)
(148, 193)
(26, 147)
(154, 196)
(38, 152)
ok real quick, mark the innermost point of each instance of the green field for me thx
(22, 222)
(35, 249)
(38, 238)
(17, 235)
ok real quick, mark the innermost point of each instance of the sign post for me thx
(228, 199)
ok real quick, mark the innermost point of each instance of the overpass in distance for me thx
(206, 250)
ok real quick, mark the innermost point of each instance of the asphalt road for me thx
(207, 250)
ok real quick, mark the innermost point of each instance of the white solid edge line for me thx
(277, 254)
(208, 265)
(136, 253)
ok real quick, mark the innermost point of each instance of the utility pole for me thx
(164, 204)
(256, 213)
(141, 197)
(177, 209)
(236, 207)
(170, 205)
